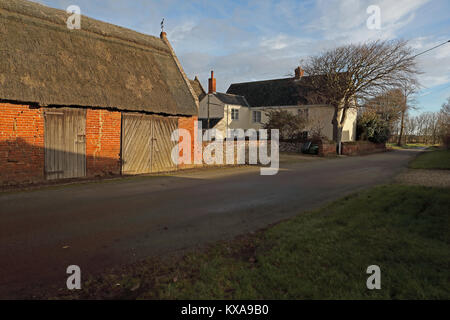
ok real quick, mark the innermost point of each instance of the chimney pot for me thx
(212, 84)
(299, 72)
(163, 35)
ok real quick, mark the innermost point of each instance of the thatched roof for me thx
(198, 88)
(100, 65)
(278, 92)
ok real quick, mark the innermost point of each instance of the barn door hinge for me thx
(81, 138)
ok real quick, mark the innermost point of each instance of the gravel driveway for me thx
(429, 178)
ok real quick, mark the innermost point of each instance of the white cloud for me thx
(345, 21)
(277, 43)
(181, 32)
(261, 39)
(310, 28)
(392, 12)
(435, 64)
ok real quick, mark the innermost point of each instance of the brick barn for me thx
(100, 100)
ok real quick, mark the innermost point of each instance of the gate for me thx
(146, 143)
(65, 143)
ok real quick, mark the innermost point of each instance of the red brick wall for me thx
(327, 148)
(188, 123)
(21, 144)
(362, 147)
(103, 130)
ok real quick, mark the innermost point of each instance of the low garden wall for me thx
(230, 155)
(354, 148)
(327, 148)
(362, 147)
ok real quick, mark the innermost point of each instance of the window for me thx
(234, 114)
(257, 116)
(304, 135)
(304, 113)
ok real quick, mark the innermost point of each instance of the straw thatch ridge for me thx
(100, 65)
(198, 88)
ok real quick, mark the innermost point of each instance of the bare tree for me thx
(445, 111)
(444, 123)
(290, 125)
(433, 127)
(422, 122)
(426, 127)
(341, 76)
(388, 106)
(409, 87)
(410, 128)
(316, 127)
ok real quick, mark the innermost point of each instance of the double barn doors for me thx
(146, 143)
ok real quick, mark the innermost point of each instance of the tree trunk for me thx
(334, 122)
(340, 127)
(402, 126)
(339, 139)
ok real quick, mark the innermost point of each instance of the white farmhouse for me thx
(245, 105)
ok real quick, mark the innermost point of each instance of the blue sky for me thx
(266, 39)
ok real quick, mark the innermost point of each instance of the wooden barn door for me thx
(65, 143)
(146, 143)
(136, 143)
(162, 144)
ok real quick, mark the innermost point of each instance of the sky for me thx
(267, 39)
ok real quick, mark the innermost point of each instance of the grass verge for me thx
(438, 159)
(412, 146)
(321, 254)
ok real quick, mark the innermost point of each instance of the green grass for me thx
(321, 254)
(411, 146)
(438, 159)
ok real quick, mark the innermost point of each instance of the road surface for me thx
(110, 224)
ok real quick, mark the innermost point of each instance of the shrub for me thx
(372, 128)
(291, 126)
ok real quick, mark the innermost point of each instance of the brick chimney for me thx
(299, 72)
(163, 36)
(212, 84)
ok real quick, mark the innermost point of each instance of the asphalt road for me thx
(102, 225)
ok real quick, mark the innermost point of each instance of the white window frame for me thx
(234, 114)
(255, 118)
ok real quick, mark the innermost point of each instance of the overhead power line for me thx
(438, 90)
(432, 48)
